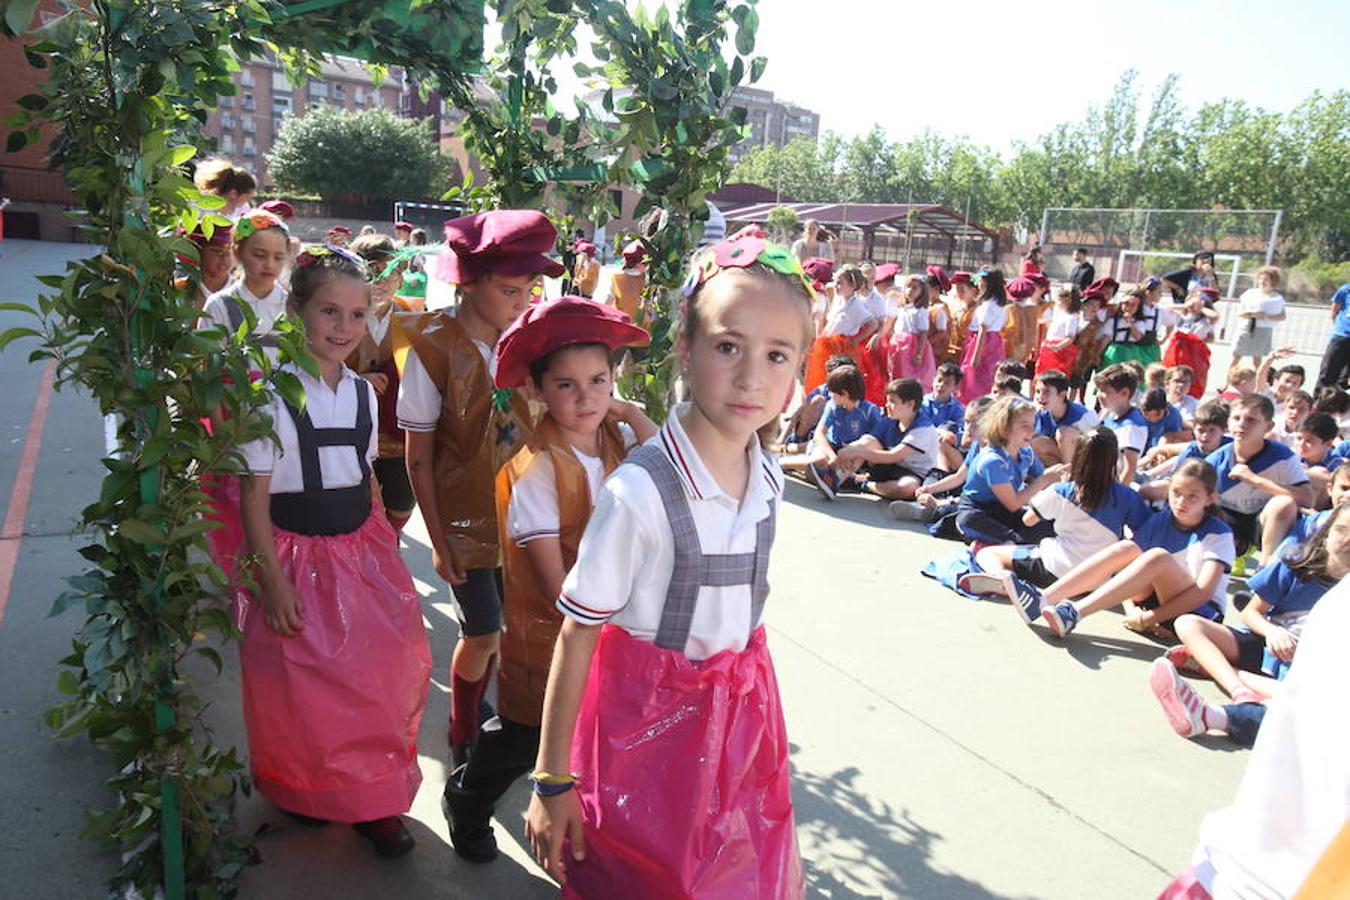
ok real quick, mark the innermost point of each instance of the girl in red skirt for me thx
(663, 764)
(1059, 350)
(1189, 345)
(334, 655)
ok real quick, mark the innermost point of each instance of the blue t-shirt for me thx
(1287, 594)
(1079, 532)
(1194, 451)
(994, 465)
(1076, 415)
(971, 454)
(844, 426)
(1274, 461)
(1131, 429)
(950, 415)
(1171, 421)
(921, 437)
(1342, 450)
(1340, 301)
(1210, 540)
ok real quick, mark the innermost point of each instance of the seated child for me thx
(901, 455)
(802, 421)
(1089, 512)
(1284, 523)
(1316, 446)
(933, 502)
(1336, 403)
(1164, 421)
(1115, 389)
(1007, 386)
(1241, 380)
(1278, 384)
(1155, 376)
(1283, 593)
(544, 497)
(846, 418)
(1296, 407)
(1177, 562)
(1179, 381)
(1252, 469)
(1059, 421)
(1003, 477)
(1210, 431)
(946, 412)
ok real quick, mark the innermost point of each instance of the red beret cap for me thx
(885, 272)
(633, 254)
(554, 324)
(583, 246)
(962, 278)
(340, 229)
(817, 268)
(1210, 292)
(1021, 288)
(279, 208)
(944, 283)
(403, 226)
(1102, 284)
(505, 241)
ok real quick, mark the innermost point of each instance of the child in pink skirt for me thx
(984, 341)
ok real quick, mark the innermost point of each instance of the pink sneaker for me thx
(1184, 708)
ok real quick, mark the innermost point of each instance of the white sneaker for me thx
(1184, 708)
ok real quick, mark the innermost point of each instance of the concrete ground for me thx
(941, 749)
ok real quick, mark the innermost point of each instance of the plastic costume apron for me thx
(901, 362)
(825, 346)
(685, 788)
(1188, 350)
(333, 712)
(531, 619)
(979, 373)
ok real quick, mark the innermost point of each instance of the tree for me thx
(803, 169)
(335, 152)
(782, 223)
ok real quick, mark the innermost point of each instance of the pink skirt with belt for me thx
(333, 711)
(902, 358)
(978, 377)
(685, 782)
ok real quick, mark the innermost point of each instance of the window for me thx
(281, 105)
(226, 120)
(250, 149)
(339, 92)
(227, 143)
(249, 125)
(226, 100)
(246, 78)
(360, 96)
(318, 89)
(248, 101)
(376, 99)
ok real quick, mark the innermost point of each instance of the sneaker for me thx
(1241, 564)
(1181, 658)
(389, 836)
(912, 511)
(825, 481)
(1240, 599)
(982, 584)
(1184, 708)
(1062, 618)
(1024, 596)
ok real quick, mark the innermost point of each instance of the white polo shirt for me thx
(847, 317)
(627, 555)
(419, 400)
(266, 309)
(327, 408)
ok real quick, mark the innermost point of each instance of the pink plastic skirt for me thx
(685, 782)
(902, 358)
(979, 373)
(333, 712)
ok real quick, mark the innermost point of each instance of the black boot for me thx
(470, 820)
(389, 836)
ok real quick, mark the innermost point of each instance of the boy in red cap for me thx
(561, 350)
(585, 270)
(460, 430)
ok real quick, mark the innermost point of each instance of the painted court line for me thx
(11, 534)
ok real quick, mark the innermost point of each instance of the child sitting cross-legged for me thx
(1089, 512)
(1164, 420)
(901, 454)
(1291, 412)
(937, 502)
(947, 413)
(1116, 385)
(1211, 422)
(1059, 421)
(1177, 562)
(1178, 387)
(1283, 594)
(1003, 477)
(1316, 441)
(846, 418)
(802, 421)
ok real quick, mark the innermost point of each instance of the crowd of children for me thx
(609, 575)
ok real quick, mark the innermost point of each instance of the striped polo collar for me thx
(694, 476)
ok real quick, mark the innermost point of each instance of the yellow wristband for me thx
(550, 778)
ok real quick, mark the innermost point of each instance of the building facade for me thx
(246, 125)
(772, 122)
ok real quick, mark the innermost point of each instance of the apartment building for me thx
(772, 121)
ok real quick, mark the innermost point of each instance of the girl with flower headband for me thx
(663, 760)
(334, 656)
(261, 250)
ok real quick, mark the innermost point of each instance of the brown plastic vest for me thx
(586, 275)
(474, 438)
(626, 293)
(956, 340)
(531, 619)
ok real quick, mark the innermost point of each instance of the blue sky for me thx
(1001, 71)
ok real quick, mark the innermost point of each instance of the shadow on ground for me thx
(871, 849)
